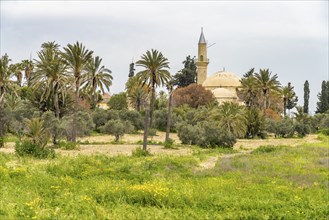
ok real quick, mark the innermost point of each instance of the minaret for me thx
(202, 62)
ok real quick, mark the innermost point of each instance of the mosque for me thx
(222, 84)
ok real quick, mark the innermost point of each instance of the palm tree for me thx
(155, 74)
(300, 115)
(286, 95)
(28, 66)
(50, 74)
(266, 83)
(231, 117)
(17, 69)
(248, 90)
(5, 85)
(97, 76)
(77, 58)
(137, 92)
(170, 86)
(36, 130)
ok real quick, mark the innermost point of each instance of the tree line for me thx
(56, 96)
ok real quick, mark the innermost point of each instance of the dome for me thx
(224, 93)
(222, 79)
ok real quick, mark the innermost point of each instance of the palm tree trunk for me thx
(56, 105)
(1, 123)
(146, 124)
(75, 114)
(284, 107)
(94, 94)
(152, 105)
(138, 105)
(265, 101)
(169, 116)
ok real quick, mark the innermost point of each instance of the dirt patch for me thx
(8, 148)
(242, 145)
(252, 143)
(130, 139)
(122, 149)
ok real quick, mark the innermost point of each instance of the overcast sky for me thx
(289, 38)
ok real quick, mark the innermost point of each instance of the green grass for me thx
(273, 183)
(10, 138)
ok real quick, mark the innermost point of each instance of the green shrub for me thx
(118, 101)
(206, 134)
(28, 148)
(302, 129)
(324, 123)
(188, 134)
(226, 139)
(139, 152)
(284, 128)
(168, 144)
(255, 123)
(99, 117)
(160, 119)
(117, 128)
(84, 128)
(152, 132)
(2, 142)
(68, 145)
(325, 131)
(134, 117)
(53, 126)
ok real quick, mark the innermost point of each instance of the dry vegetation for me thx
(103, 144)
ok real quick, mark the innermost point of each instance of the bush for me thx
(117, 128)
(139, 152)
(325, 131)
(112, 115)
(152, 132)
(84, 128)
(226, 139)
(134, 117)
(284, 128)
(68, 145)
(118, 101)
(53, 125)
(99, 117)
(28, 148)
(302, 129)
(168, 144)
(2, 142)
(324, 123)
(206, 134)
(188, 134)
(255, 123)
(160, 119)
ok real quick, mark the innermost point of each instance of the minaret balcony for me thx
(201, 61)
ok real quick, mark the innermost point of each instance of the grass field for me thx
(271, 182)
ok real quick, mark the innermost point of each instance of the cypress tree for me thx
(306, 96)
(292, 99)
(323, 96)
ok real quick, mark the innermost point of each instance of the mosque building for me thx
(222, 84)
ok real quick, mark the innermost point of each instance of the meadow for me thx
(268, 182)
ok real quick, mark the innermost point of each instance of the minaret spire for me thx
(202, 61)
(202, 39)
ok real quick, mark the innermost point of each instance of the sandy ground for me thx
(244, 146)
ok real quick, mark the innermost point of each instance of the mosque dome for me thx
(224, 93)
(222, 79)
